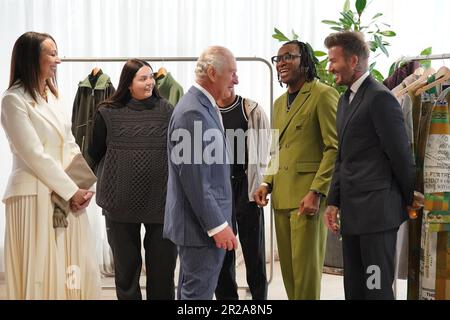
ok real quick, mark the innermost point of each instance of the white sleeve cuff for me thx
(216, 230)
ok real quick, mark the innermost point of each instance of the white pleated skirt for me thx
(46, 263)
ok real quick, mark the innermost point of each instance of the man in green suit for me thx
(306, 119)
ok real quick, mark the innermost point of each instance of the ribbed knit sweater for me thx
(132, 175)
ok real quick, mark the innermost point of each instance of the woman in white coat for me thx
(42, 262)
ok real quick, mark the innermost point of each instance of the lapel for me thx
(44, 109)
(285, 117)
(207, 104)
(350, 109)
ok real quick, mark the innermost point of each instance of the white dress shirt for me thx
(355, 86)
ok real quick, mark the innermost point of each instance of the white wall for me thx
(186, 27)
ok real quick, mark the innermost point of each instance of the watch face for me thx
(318, 193)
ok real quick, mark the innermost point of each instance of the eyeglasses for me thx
(287, 57)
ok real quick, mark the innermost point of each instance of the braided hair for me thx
(307, 64)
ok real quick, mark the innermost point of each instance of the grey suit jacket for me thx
(199, 188)
(373, 179)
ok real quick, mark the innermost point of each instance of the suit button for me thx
(287, 145)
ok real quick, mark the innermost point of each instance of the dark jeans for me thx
(160, 260)
(250, 226)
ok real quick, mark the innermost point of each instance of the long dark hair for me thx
(122, 95)
(307, 65)
(25, 66)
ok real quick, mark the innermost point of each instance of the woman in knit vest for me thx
(129, 150)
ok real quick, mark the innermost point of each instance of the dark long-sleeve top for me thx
(97, 147)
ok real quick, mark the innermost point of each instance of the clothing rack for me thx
(194, 59)
(175, 59)
(443, 56)
(403, 59)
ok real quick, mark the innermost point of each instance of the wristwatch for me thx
(321, 195)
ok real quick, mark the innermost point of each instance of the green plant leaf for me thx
(346, 6)
(348, 17)
(319, 53)
(379, 14)
(372, 65)
(372, 45)
(337, 29)
(388, 33)
(279, 35)
(324, 63)
(391, 69)
(331, 22)
(425, 64)
(426, 51)
(377, 75)
(294, 35)
(380, 44)
(360, 6)
(383, 48)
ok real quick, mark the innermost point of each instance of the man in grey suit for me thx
(373, 179)
(199, 197)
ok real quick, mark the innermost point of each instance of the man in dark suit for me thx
(199, 197)
(374, 172)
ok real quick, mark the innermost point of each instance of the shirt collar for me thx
(355, 86)
(207, 94)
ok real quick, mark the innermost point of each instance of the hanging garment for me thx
(435, 244)
(422, 110)
(409, 100)
(91, 91)
(400, 74)
(169, 88)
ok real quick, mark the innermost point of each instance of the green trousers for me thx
(301, 244)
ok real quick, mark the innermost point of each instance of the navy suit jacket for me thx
(373, 179)
(199, 194)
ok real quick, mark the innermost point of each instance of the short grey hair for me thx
(214, 56)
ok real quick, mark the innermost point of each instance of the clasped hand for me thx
(80, 200)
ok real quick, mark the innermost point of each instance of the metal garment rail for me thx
(443, 56)
(194, 59)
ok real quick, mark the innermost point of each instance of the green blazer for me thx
(307, 144)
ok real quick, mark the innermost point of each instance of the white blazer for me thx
(41, 143)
